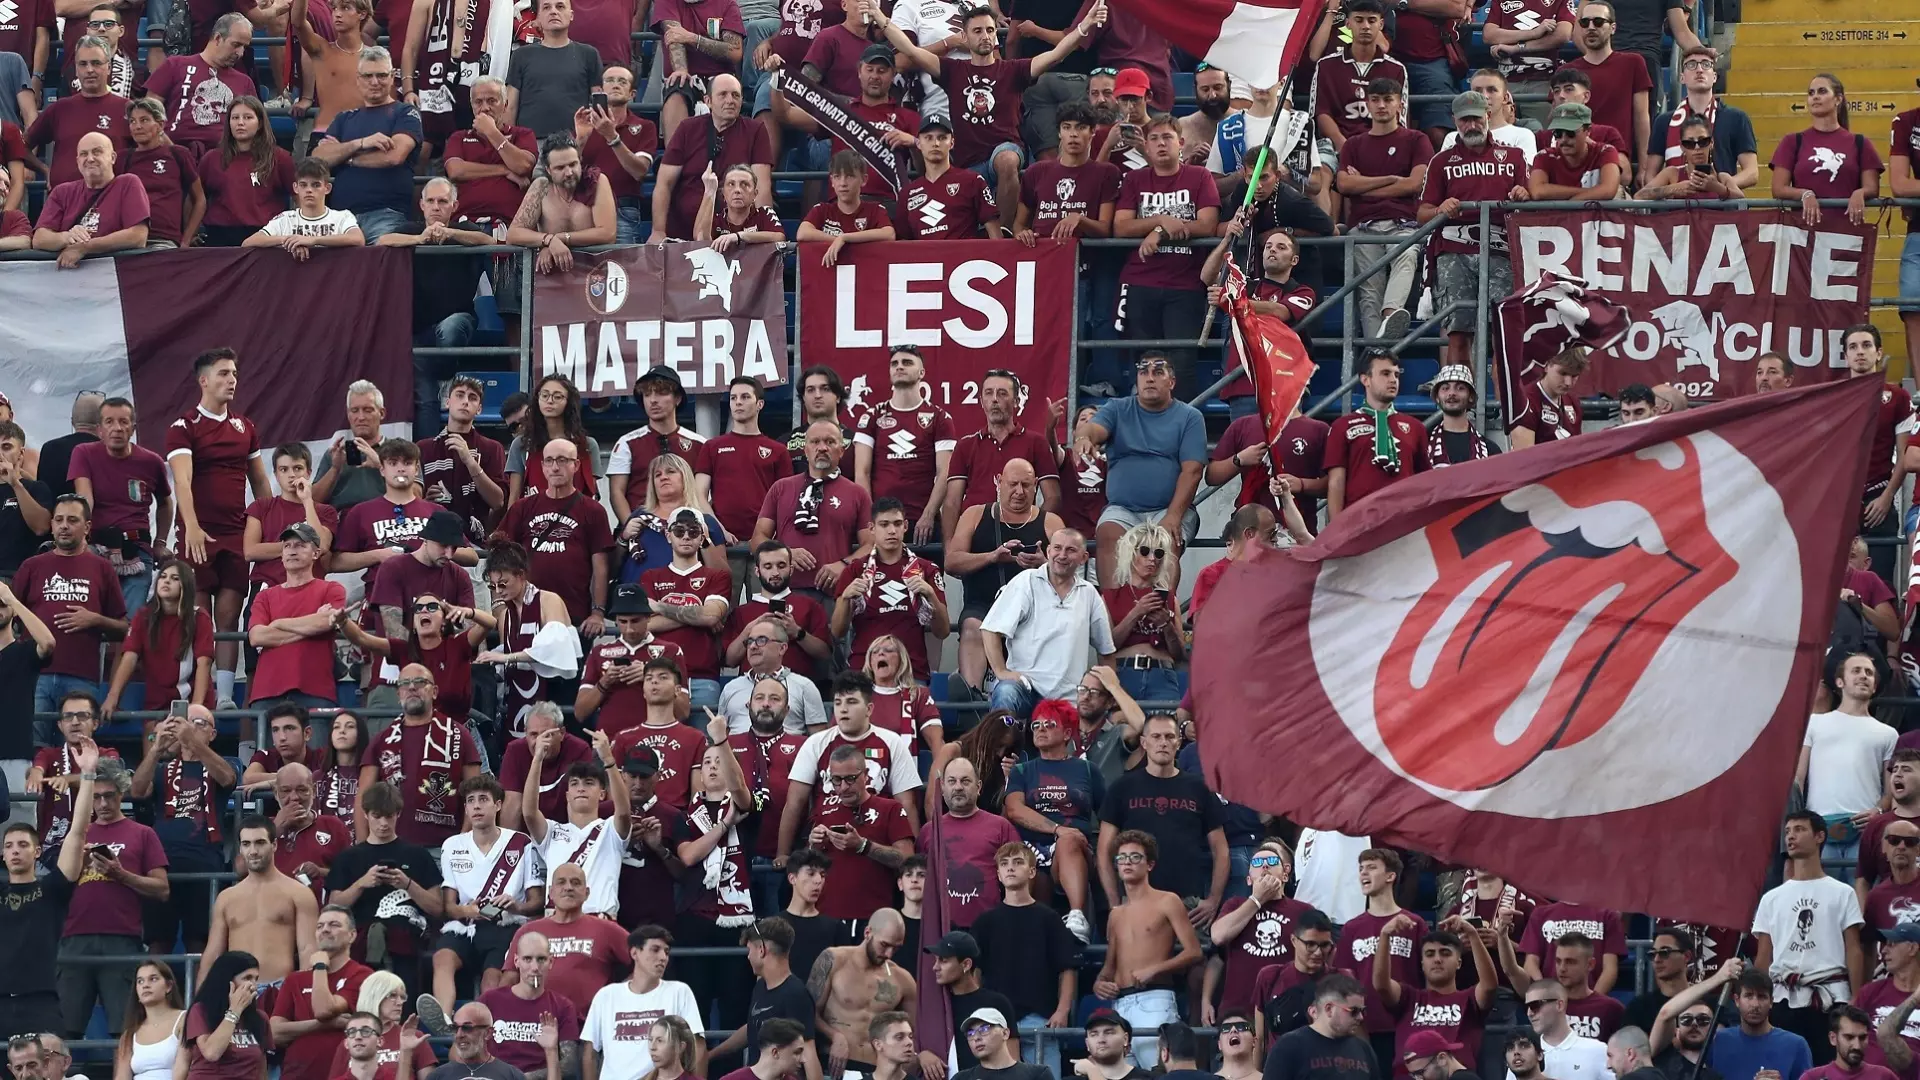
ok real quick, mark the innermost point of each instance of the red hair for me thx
(1060, 711)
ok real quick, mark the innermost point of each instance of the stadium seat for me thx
(498, 386)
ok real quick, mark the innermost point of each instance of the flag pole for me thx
(1253, 183)
(1726, 989)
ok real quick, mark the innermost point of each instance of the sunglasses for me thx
(1235, 1027)
(1700, 143)
(1156, 367)
(1540, 1003)
(1264, 860)
(470, 1029)
(1151, 553)
(1104, 71)
(81, 714)
(1559, 135)
(1694, 1021)
(1664, 952)
(428, 607)
(1902, 841)
(1592, 21)
(1044, 725)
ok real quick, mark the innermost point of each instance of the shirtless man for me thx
(335, 65)
(1142, 966)
(854, 983)
(558, 213)
(265, 913)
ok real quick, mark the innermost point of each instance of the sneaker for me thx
(1076, 921)
(376, 945)
(225, 704)
(1394, 323)
(432, 1015)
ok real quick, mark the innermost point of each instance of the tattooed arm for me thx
(525, 230)
(819, 984)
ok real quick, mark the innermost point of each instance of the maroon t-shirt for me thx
(103, 906)
(904, 443)
(167, 172)
(902, 709)
(588, 953)
(561, 537)
(607, 25)
(319, 843)
(1265, 942)
(236, 197)
(1615, 81)
(766, 761)
(19, 22)
(123, 488)
(1083, 490)
(1828, 163)
(680, 747)
(1548, 420)
(1051, 191)
(741, 469)
(221, 448)
(516, 1021)
(884, 116)
(197, 95)
(1550, 922)
(274, 515)
(743, 143)
(553, 773)
(647, 882)
(801, 21)
(304, 666)
(1890, 903)
(624, 707)
(633, 456)
(857, 886)
(887, 607)
(1456, 1016)
(55, 809)
(1150, 630)
(1584, 173)
(427, 772)
(978, 458)
(1421, 37)
(967, 846)
(844, 509)
(830, 219)
(1359, 937)
(1597, 1016)
(1600, 133)
(1182, 195)
(639, 136)
(1350, 446)
(63, 122)
(1878, 999)
(450, 484)
(162, 668)
(985, 103)
(700, 646)
(389, 1058)
(1397, 153)
(1340, 87)
(246, 1056)
(122, 204)
(804, 610)
(489, 196)
(15, 223)
(309, 1056)
(708, 18)
(950, 208)
(1873, 860)
(1484, 175)
(397, 582)
(450, 663)
(1297, 297)
(835, 53)
(1896, 409)
(1529, 15)
(50, 583)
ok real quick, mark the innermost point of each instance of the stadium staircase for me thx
(1873, 49)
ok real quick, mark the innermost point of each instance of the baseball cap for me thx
(1471, 103)
(877, 54)
(989, 1016)
(444, 527)
(935, 123)
(1569, 116)
(665, 374)
(1427, 1042)
(1899, 933)
(641, 761)
(957, 943)
(629, 598)
(1131, 82)
(687, 514)
(1108, 1018)
(301, 531)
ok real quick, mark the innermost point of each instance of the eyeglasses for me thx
(1592, 21)
(470, 1029)
(1663, 952)
(1694, 1020)
(1235, 1027)
(1312, 944)
(102, 24)
(1902, 841)
(1128, 857)
(414, 684)
(558, 460)
(836, 780)
(1264, 860)
(1104, 71)
(1697, 65)
(78, 714)
(361, 1032)
(760, 639)
(1358, 1012)
(1537, 1004)
(1151, 553)
(1700, 143)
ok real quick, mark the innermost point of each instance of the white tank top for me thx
(155, 1061)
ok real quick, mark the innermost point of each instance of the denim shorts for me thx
(1910, 269)
(1431, 77)
(985, 168)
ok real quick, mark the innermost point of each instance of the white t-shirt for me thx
(1576, 1058)
(468, 871)
(1512, 135)
(928, 22)
(1050, 639)
(902, 769)
(1807, 922)
(1847, 770)
(601, 861)
(620, 1025)
(294, 223)
(1326, 868)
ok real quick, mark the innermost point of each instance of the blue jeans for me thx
(1029, 1049)
(629, 225)
(704, 692)
(1430, 77)
(758, 30)
(1152, 684)
(1239, 861)
(1015, 696)
(1910, 266)
(1849, 852)
(985, 168)
(47, 691)
(136, 588)
(378, 222)
(453, 332)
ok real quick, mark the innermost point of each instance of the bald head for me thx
(887, 921)
(94, 155)
(1017, 484)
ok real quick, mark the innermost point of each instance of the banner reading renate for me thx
(1709, 291)
(710, 315)
(970, 306)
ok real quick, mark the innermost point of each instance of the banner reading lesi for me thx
(710, 315)
(969, 305)
(1709, 291)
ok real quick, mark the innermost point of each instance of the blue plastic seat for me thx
(497, 386)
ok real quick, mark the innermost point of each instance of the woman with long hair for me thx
(1826, 161)
(671, 1047)
(384, 995)
(995, 745)
(1149, 630)
(169, 643)
(150, 1039)
(441, 637)
(555, 415)
(670, 486)
(248, 178)
(336, 788)
(1693, 176)
(899, 703)
(227, 1038)
(170, 174)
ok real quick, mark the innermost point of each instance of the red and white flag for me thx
(1585, 667)
(1275, 357)
(1259, 40)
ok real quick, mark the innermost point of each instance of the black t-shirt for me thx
(1644, 1007)
(443, 285)
(1177, 811)
(54, 457)
(20, 664)
(1678, 1067)
(812, 935)
(964, 1005)
(1019, 1070)
(17, 542)
(1460, 445)
(1306, 1054)
(788, 1001)
(1023, 950)
(353, 864)
(30, 931)
(910, 948)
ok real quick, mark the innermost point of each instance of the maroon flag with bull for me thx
(1541, 321)
(1585, 666)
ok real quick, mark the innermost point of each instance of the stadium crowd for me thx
(537, 718)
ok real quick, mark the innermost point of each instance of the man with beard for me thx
(292, 626)
(822, 516)
(1151, 943)
(576, 954)
(969, 839)
(1576, 166)
(563, 209)
(1621, 81)
(1903, 783)
(1276, 292)
(1212, 94)
(1333, 1046)
(493, 160)
(77, 594)
(767, 751)
(1896, 899)
(808, 630)
(1375, 446)
(1891, 1001)
(476, 1032)
(187, 781)
(622, 145)
(310, 1012)
(1109, 1049)
(552, 77)
(1283, 992)
(765, 660)
(427, 757)
(198, 88)
(897, 124)
(127, 486)
(852, 984)
(1850, 1032)
(427, 570)
(1672, 955)
(1523, 1056)
(566, 536)
(1454, 440)
(1475, 169)
(714, 142)
(265, 913)
(1678, 1037)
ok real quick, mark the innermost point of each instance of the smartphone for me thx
(1703, 170)
(1476, 921)
(178, 709)
(778, 607)
(101, 850)
(1165, 598)
(490, 912)
(353, 454)
(599, 100)
(1130, 132)
(842, 829)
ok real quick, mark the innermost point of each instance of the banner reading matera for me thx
(710, 315)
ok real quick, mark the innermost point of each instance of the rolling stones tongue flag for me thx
(1273, 354)
(1584, 666)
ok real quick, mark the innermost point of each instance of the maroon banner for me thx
(1709, 290)
(710, 315)
(1584, 666)
(303, 332)
(1271, 352)
(969, 305)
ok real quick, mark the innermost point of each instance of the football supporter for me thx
(292, 626)
(1622, 81)
(714, 142)
(564, 208)
(97, 211)
(822, 516)
(1342, 75)
(270, 516)
(895, 592)
(492, 161)
(428, 757)
(1382, 171)
(566, 537)
(1164, 204)
(581, 953)
(1549, 409)
(1476, 169)
(132, 499)
(491, 886)
(978, 459)
(622, 145)
(766, 646)
(630, 466)
(891, 767)
(1576, 168)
